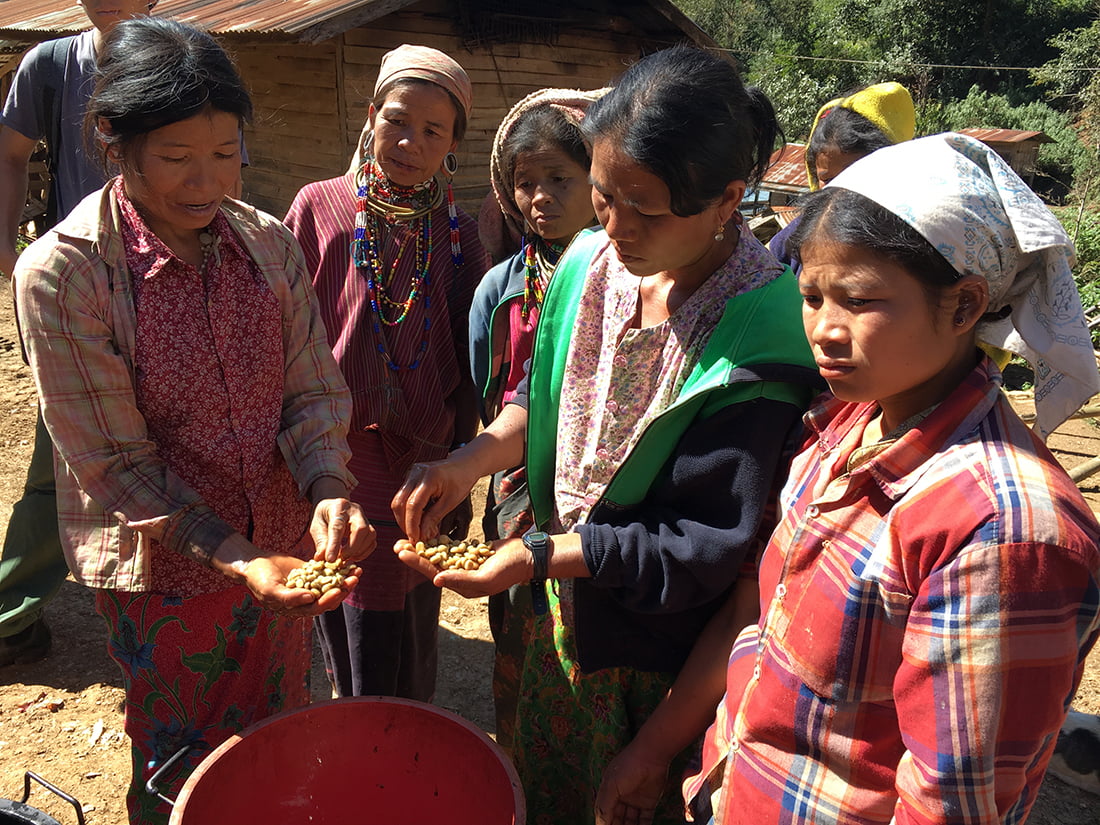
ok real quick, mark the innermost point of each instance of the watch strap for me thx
(538, 544)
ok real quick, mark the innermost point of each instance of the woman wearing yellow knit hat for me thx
(847, 129)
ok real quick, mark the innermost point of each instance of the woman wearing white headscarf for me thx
(931, 592)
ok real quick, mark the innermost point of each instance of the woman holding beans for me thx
(196, 409)
(396, 307)
(666, 382)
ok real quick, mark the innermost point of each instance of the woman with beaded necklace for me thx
(396, 311)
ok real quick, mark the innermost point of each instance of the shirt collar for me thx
(840, 425)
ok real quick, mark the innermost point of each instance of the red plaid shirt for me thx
(926, 614)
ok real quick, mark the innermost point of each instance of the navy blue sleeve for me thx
(685, 543)
(778, 246)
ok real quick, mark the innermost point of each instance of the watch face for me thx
(538, 537)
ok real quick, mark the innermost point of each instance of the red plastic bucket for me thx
(355, 761)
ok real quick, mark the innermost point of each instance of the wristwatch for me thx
(538, 543)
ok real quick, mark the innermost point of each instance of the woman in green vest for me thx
(668, 380)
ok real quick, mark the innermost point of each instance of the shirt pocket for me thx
(845, 628)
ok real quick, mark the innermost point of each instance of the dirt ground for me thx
(61, 717)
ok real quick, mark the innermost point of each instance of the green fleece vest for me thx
(749, 355)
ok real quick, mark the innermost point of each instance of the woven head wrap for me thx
(572, 103)
(426, 64)
(889, 106)
(969, 204)
(423, 63)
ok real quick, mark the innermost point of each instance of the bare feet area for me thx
(61, 717)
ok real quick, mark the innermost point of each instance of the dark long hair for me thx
(154, 72)
(686, 116)
(841, 216)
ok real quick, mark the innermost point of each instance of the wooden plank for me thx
(301, 101)
(259, 78)
(290, 62)
(288, 180)
(271, 154)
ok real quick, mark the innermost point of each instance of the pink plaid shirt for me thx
(926, 614)
(115, 494)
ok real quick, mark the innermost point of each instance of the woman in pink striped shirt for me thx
(396, 311)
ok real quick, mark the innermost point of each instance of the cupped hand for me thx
(631, 788)
(266, 577)
(341, 531)
(431, 491)
(509, 564)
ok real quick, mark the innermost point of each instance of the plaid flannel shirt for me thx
(77, 319)
(925, 619)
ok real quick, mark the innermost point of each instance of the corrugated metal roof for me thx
(788, 170)
(51, 17)
(1007, 135)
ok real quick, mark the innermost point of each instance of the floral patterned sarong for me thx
(191, 667)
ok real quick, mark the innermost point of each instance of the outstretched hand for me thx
(510, 564)
(265, 577)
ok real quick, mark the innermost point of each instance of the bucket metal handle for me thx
(29, 775)
(151, 784)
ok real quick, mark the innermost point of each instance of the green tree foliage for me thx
(1067, 77)
(1058, 162)
(895, 39)
(1078, 90)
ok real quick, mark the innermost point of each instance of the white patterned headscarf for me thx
(969, 204)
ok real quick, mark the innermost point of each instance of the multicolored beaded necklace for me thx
(381, 206)
(539, 260)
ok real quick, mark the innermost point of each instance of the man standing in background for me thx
(47, 101)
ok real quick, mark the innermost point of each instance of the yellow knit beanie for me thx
(887, 105)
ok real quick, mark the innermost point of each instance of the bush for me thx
(1062, 161)
(1084, 227)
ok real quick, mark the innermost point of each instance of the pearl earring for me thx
(720, 235)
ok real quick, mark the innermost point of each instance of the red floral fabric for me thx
(209, 382)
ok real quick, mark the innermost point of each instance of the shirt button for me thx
(756, 673)
(780, 591)
(602, 454)
(736, 746)
(812, 511)
(612, 407)
(619, 360)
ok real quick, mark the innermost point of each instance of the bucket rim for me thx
(232, 741)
